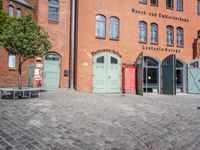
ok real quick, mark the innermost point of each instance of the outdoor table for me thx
(22, 92)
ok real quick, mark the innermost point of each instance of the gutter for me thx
(24, 4)
(72, 45)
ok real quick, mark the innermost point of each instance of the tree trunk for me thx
(20, 76)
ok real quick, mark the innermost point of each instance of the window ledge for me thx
(53, 21)
(180, 46)
(170, 45)
(12, 69)
(101, 38)
(141, 42)
(154, 43)
(114, 39)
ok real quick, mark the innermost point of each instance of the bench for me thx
(19, 93)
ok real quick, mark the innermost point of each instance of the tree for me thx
(23, 38)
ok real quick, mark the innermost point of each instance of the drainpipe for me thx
(72, 44)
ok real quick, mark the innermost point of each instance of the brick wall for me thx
(128, 44)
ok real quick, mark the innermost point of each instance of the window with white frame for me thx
(142, 31)
(114, 28)
(11, 10)
(11, 61)
(154, 2)
(53, 12)
(100, 26)
(154, 33)
(18, 13)
(170, 35)
(179, 5)
(179, 36)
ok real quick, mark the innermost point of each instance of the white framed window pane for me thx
(143, 1)
(114, 28)
(53, 13)
(18, 13)
(100, 26)
(142, 32)
(11, 11)
(179, 5)
(12, 61)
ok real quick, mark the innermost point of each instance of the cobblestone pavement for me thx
(68, 120)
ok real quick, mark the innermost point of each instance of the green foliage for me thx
(24, 38)
(3, 19)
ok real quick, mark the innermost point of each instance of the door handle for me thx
(109, 77)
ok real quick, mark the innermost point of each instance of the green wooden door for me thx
(139, 71)
(30, 75)
(51, 71)
(194, 77)
(106, 73)
(169, 75)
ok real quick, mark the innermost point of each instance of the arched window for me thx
(53, 10)
(100, 26)
(11, 10)
(142, 31)
(154, 33)
(170, 35)
(179, 34)
(18, 13)
(179, 5)
(170, 4)
(114, 28)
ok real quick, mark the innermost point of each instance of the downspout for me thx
(72, 44)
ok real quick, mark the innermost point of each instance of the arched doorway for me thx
(51, 70)
(180, 76)
(106, 73)
(151, 75)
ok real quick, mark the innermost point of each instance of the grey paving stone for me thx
(68, 120)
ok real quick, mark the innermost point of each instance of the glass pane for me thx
(114, 60)
(100, 59)
(179, 64)
(194, 64)
(52, 57)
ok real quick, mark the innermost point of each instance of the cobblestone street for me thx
(68, 120)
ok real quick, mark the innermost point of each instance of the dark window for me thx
(179, 65)
(114, 60)
(100, 26)
(100, 60)
(198, 33)
(143, 1)
(194, 65)
(143, 31)
(179, 36)
(114, 28)
(154, 33)
(53, 10)
(170, 35)
(170, 4)
(154, 2)
(198, 7)
(179, 5)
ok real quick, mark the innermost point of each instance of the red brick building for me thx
(110, 34)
